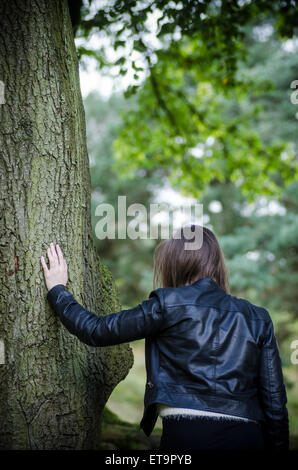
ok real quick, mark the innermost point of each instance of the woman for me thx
(213, 367)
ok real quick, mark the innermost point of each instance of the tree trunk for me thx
(52, 387)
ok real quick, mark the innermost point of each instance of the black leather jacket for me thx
(205, 350)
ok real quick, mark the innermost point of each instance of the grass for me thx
(127, 399)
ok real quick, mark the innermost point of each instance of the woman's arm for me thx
(273, 394)
(115, 328)
(57, 273)
(128, 325)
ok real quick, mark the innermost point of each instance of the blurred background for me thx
(178, 120)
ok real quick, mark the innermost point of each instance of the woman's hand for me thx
(57, 274)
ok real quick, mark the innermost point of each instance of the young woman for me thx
(213, 367)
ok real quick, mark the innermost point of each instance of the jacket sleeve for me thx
(273, 394)
(115, 328)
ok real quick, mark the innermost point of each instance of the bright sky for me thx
(91, 80)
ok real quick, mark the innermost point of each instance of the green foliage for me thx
(260, 244)
(186, 122)
(130, 261)
(220, 25)
(196, 90)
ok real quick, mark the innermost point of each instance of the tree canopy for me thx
(192, 74)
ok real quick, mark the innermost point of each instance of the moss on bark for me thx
(120, 435)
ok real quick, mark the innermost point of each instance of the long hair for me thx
(176, 266)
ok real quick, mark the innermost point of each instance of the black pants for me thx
(204, 434)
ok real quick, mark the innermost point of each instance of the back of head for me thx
(181, 260)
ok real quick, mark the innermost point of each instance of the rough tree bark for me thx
(52, 387)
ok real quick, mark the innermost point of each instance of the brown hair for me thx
(176, 266)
